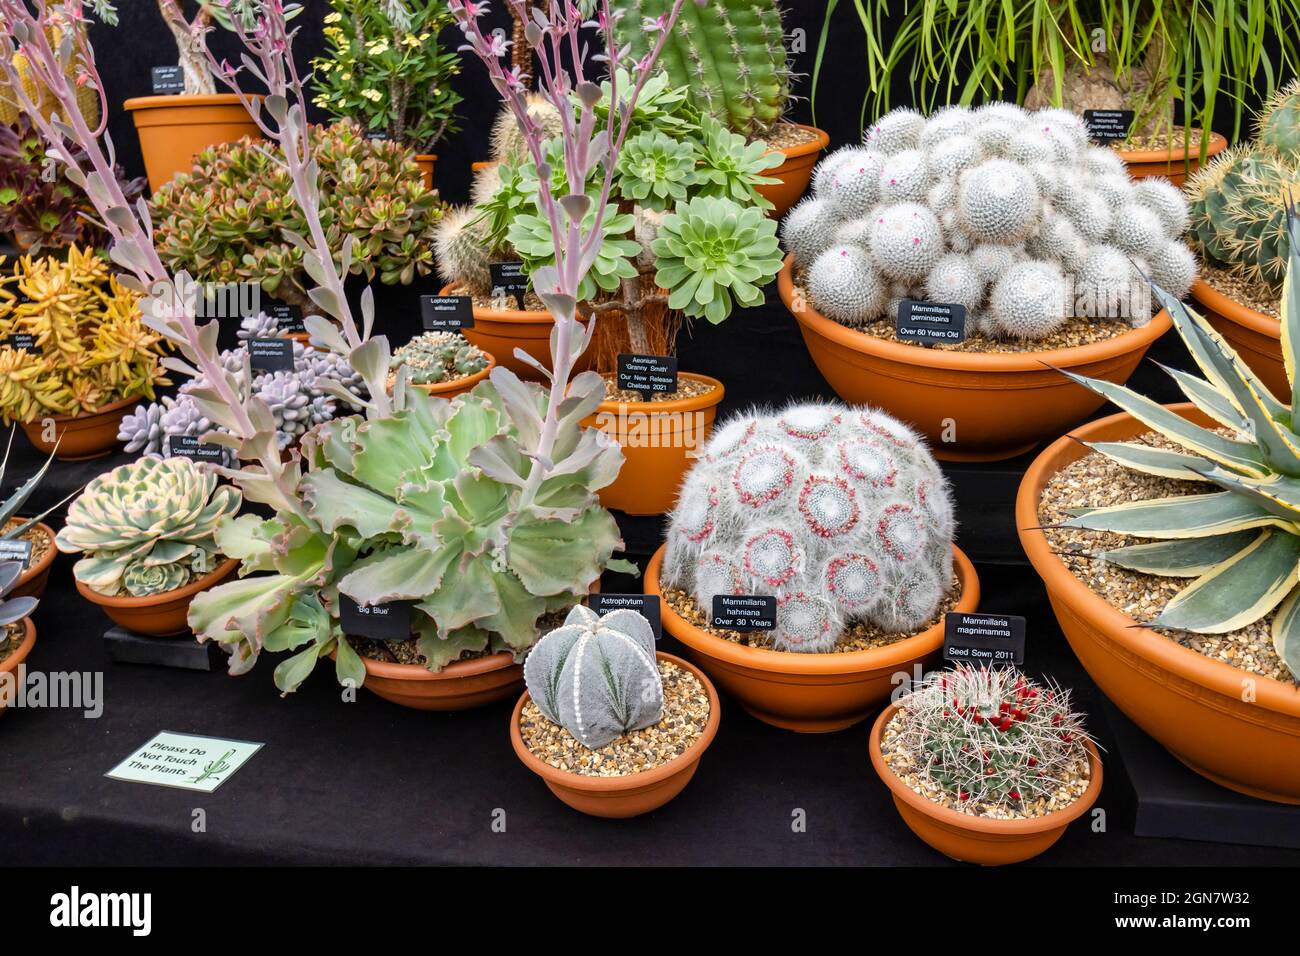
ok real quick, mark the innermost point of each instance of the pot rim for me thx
(109, 409)
(459, 384)
(952, 820)
(456, 670)
(213, 577)
(970, 362)
(629, 782)
(10, 663)
(819, 665)
(517, 316)
(44, 563)
(1218, 143)
(1228, 307)
(164, 101)
(694, 403)
(802, 149)
(1182, 662)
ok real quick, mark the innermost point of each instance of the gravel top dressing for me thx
(1254, 295)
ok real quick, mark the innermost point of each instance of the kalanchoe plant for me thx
(436, 357)
(14, 609)
(147, 527)
(1240, 542)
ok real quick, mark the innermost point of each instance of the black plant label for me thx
(1108, 126)
(167, 80)
(446, 313)
(931, 323)
(288, 317)
(380, 622)
(271, 355)
(983, 640)
(19, 549)
(510, 278)
(647, 374)
(744, 612)
(647, 605)
(23, 342)
(189, 446)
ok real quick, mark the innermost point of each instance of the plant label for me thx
(185, 761)
(189, 446)
(510, 278)
(288, 318)
(377, 135)
(446, 313)
(19, 549)
(381, 622)
(931, 323)
(647, 605)
(271, 355)
(23, 342)
(167, 80)
(647, 374)
(744, 612)
(1108, 126)
(983, 640)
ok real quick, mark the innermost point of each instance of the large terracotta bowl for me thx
(10, 664)
(458, 686)
(1256, 337)
(158, 615)
(81, 437)
(794, 174)
(31, 583)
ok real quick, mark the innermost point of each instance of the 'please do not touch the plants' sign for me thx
(184, 761)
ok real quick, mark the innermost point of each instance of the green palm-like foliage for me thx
(1240, 541)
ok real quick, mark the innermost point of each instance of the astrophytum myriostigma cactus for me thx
(596, 676)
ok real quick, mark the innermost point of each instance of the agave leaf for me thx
(1238, 591)
(1290, 308)
(1277, 493)
(1182, 516)
(10, 506)
(1208, 399)
(1185, 558)
(1152, 461)
(1286, 632)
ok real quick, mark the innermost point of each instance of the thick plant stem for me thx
(190, 46)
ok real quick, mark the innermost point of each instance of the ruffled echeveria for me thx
(145, 525)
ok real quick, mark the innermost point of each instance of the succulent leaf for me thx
(1186, 558)
(1237, 591)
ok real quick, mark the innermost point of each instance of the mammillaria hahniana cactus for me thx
(596, 676)
(1009, 213)
(147, 527)
(839, 512)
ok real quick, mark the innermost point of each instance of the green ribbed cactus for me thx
(730, 55)
(1279, 123)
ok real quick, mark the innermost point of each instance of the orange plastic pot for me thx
(1238, 729)
(981, 840)
(81, 437)
(175, 129)
(633, 794)
(31, 583)
(795, 173)
(425, 161)
(461, 385)
(1175, 163)
(971, 406)
(10, 664)
(1256, 337)
(809, 693)
(158, 615)
(458, 686)
(660, 442)
(500, 331)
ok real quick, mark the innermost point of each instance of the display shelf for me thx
(183, 652)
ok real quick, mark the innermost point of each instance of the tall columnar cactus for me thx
(840, 512)
(730, 55)
(1011, 214)
(147, 527)
(596, 676)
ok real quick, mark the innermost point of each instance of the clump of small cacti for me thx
(1238, 201)
(1011, 214)
(988, 738)
(597, 676)
(839, 512)
(439, 357)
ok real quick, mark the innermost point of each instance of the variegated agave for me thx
(431, 504)
(1241, 544)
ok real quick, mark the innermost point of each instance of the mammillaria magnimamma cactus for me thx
(147, 527)
(1009, 213)
(596, 676)
(840, 512)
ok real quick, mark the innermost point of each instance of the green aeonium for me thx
(733, 168)
(530, 234)
(656, 170)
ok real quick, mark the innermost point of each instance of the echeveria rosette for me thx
(1241, 544)
(656, 170)
(713, 250)
(733, 168)
(155, 513)
(530, 235)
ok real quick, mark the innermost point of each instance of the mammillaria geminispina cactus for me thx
(147, 527)
(839, 512)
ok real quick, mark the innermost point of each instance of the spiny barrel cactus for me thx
(15, 609)
(1009, 213)
(1239, 544)
(439, 357)
(729, 54)
(840, 512)
(147, 527)
(596, 676)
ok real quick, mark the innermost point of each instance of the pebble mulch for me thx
(785, 135)
(686, 388)
(1171, 139)
(1255, 295)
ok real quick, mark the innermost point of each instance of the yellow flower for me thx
(373, 96)
(345, 76)
(334, 17)
(377, 47)
(410, 40)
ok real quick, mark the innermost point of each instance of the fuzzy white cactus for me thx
(839, 512)
(984, 192)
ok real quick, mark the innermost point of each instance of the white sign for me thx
(185, 761)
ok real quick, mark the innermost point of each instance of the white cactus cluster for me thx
(1010, 213)
(840, 512)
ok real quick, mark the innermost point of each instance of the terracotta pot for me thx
(1174, 163)
(979, 839)
(81, 437)
(810, 693)
(500, 331)
(971, 406)
(794, 173)
(1256, 337)
(425, 161)
(660, 441)
(457, 686)
(10, 664)
(634, 794)
(159, 615)
(1191, 704)
(175, 129)
(458, 387)
(31, 583)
